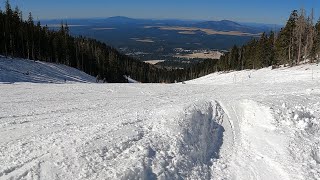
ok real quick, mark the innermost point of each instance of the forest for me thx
(30, 40)
(297, 41)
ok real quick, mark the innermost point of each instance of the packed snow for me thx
(252, 124)
(21, 70)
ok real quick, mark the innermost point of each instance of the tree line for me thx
(30, 40)
(297, 41)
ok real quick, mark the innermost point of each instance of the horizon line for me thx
(177, 19)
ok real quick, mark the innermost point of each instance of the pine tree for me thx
(299, 33)
(285, 46)
(30, 41)
(316, 44)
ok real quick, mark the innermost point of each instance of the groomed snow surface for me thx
(20, 70)
(257, 124)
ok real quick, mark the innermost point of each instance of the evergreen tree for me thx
(285, 47)
(19, 38)
(315, 53)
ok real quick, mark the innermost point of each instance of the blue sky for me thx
(263, 11)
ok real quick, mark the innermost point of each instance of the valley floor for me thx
(261, 124)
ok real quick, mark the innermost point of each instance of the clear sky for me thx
(263, 11)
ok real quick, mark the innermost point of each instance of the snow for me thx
(130, 80)
(257, 124)
(20, 70)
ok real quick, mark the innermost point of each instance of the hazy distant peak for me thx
(230, 22)
(120, 18)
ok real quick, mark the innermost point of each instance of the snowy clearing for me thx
(257, 124)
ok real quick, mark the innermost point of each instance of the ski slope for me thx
(257, 124)
(21, 70)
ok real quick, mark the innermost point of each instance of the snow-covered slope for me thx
(262, 124)
(302, 73)
(130, 80)
(20, 70)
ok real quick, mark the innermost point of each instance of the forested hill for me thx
(27, 39)
(297, 41)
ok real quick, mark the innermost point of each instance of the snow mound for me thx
(185, 147)
(304, 123)
(20, 70)
(200, 141)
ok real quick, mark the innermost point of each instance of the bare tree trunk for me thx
(82, 61)
(5, 45)
(289, 50)
(306, 49)
(5, 27)
(22, 45)
(299, 47)
(28, 49)
(39, 45)
(311, 35)
(33, 50)
(11, 45)
(300, 31)
(77, 58)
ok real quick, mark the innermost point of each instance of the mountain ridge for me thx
(220, 25)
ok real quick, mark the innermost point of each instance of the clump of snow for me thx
(301, 117)
(181, 149)
(20, 70)
(304, 123)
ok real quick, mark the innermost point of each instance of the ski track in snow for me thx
(221, 126)
(21, 70)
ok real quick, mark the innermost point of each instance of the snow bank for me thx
(19, 70)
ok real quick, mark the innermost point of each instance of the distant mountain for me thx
(223, 25)
(226, 25)
(121, 20)
(264, 27)
(157, 39)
